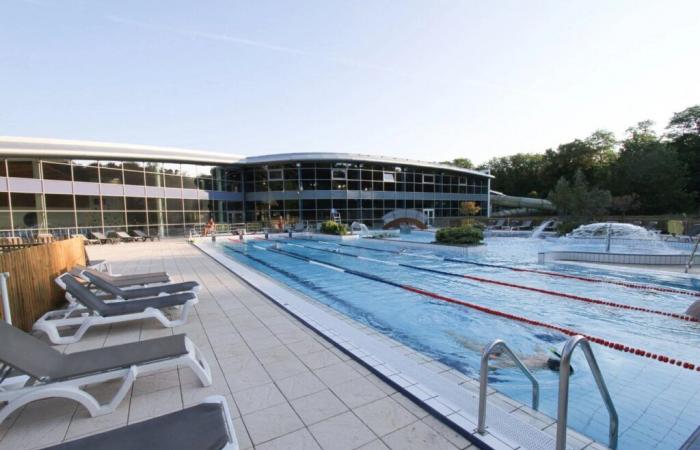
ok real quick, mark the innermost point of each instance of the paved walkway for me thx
(287, 387)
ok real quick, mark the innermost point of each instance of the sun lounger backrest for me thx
(102, 284)
(140, 233)
(26, 353)
(99, 235)
(123, 235)
(83, 294)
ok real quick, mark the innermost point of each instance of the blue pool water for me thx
(658, 404)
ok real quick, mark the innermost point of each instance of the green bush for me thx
(330, 227)
(460, 235)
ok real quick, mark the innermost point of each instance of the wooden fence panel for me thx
(31, 288)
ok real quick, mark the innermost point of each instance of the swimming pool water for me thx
(657, 403)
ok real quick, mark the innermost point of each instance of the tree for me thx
(464, 163)
(578, 200)
(469, 209)
(625, 203)
(593, 156)
(518, 174)
(684, 131)
(651, 168)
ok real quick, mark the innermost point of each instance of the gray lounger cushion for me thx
(200, 427)
(110, 288)
(37, 359)
(92, 302)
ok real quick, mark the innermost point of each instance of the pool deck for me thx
(287, 387)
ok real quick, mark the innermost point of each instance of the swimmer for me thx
(540, 360)
(694, 310)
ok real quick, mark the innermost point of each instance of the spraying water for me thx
(537, 232)
(616, 230)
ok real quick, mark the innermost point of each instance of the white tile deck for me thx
(287, 386)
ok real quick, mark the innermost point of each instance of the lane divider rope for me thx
(627, 284)
(522, 287)
(567, 331)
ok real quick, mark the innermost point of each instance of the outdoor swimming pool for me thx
(657, 402)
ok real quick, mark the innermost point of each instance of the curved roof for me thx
(285, 158)
(23, 147)
(62, 148)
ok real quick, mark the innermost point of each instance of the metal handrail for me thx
(484, 379)
(691, 259)
(564, 374)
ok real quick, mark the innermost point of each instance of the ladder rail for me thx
(691, 259)
(484, 380)
(564, 374)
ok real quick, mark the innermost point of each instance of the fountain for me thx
(616, 230)
(537, 232)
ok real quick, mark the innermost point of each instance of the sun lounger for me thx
(128, 294)
(54, 374)
(102, 238)
(96, 311)
(138, 234)
(526, 225)
(122, 236)
(86, 241)
(140, 279)
(206, 426)
(498, 225)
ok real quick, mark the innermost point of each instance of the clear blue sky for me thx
(424, 79)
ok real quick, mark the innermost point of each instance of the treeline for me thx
(644, 173)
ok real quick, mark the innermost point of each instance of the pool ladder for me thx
(563, 399)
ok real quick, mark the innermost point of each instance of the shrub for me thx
(460, 235)
(330, 227)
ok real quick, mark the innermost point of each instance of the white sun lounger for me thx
(32, 370)
(96, 311)
(207, 426)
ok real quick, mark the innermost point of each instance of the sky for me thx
(422, 79)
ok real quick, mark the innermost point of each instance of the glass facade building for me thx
(171, 192)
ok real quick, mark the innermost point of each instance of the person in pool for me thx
(694, 310)
(540, 360)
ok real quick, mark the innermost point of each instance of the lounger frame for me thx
(16, 394)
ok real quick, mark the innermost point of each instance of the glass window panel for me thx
(25, 201)
(205, 184)
(132, 177)
(172, 181)
(323, 185)
(291, 185)
(191, 204)
(112, 203)
(3, 172)
(174, 203)
(87, 202)
(136, 218)
(114, 219)
(56, 171)
(189, 183)
(388, 177)
(21, 169)
(175, 217)
(323, 173)
(89, 219)
(308, 204)
(134, 165)
(86, 173)
(155, 204)
(111, 164)
(276, 186)
(4, 200)
(60, 219)
(137, 203)
(26, 219)
(111, 176)
(275, 174)
(154, 179)
(192, 217)
(155, 219)
(339, 174)
(57, 201)
(309, 185)
(171, 168)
